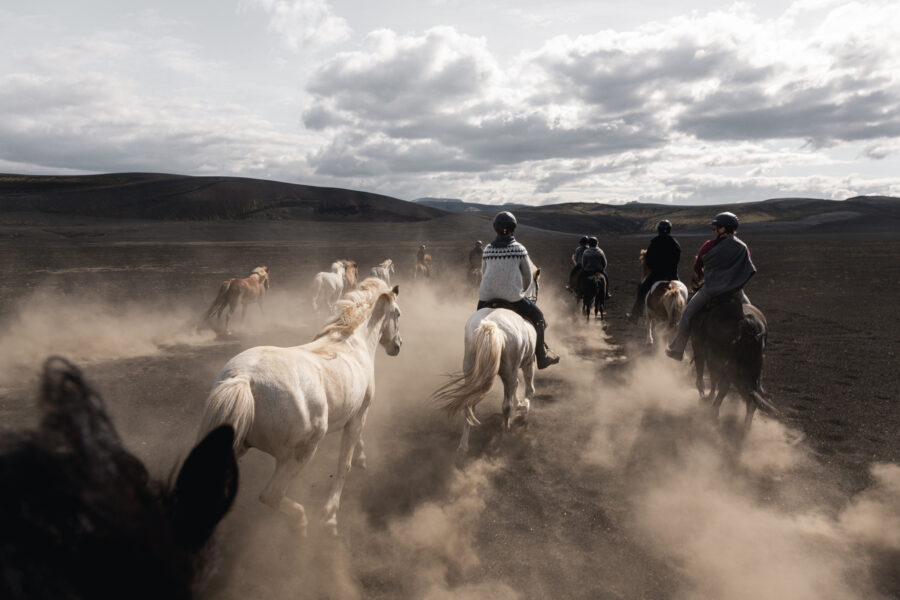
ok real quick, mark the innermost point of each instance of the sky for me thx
(490, 101)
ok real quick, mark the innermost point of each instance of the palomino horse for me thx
(81, 516)
(730, 339)
(284, 400)
(330, 286)
(664, 303)
(234, 292)
(497, 342)
(384, 271)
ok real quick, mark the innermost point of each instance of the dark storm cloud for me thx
(846, 110)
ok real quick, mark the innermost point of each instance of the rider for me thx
(576, 256)
(661, 259)
(506, 274)
(420, 255)
(726, 266)
(593, 260)
(475, 255)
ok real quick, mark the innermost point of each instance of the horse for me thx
(81, 517)
(593, 293)
(474, 277)
(497, 342)
(664, 303)
(384, 271)
(234, 292)
(729, 338)
(283, 401)
(423, 269)
(330, 286)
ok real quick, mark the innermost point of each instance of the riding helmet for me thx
(592, 242)
(727, 220)
(479, 243)
(504, 223)
(583, 241)
(664, 227)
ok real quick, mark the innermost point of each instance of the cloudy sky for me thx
(484, 100)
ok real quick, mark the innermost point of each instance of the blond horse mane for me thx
(674, 304)
(354, 308)
(386, 264)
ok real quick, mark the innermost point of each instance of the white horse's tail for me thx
(231, 402)
(464, 392)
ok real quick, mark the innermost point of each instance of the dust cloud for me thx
(621, 485)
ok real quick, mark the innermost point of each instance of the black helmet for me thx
(592, 242)
(583, 241)
(664, 226)
(504, 223)
(727, 220)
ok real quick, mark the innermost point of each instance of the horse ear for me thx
(205, 488)
(396, 290)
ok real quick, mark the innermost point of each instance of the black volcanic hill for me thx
(177, 197)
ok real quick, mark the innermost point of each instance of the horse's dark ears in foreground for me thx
(80, 516)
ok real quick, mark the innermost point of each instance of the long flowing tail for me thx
(750, 348)
(231, 402)
(221, 300)
(674, 303)
(464, 392)
(317, 289)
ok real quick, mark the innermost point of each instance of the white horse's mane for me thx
(386, 264)
(338, 267)
(354, 308)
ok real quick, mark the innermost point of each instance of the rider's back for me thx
(506, 271)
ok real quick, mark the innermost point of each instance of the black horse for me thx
(80, 516)
(592, 291)
(729, 338)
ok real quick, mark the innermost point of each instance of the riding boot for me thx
(637, 311)
(545, 357)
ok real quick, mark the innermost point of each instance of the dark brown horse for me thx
(593, 293)
(729, 339)
(239, 292)
(80, 517)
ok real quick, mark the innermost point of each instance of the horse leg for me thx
(528, 376)
(463, 449)
(649, 330)
(699, 365)
(723, 386)
(231, 309)
(510, 388)
(359, 455)
(349, 439)
(286, 468)
(748, 418)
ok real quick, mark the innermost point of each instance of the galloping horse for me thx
(81, 516)
(593, 292)
(284, 400)
(664, 302)
(239, 291)
(384, 271)
(330, 286)
(497, 342)
(423, 270)
(730, 339)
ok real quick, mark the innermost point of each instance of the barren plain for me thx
(620, 486)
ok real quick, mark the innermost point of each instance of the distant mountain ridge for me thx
(164, 197)
(179, 197)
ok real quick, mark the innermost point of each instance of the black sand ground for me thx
(571, 506)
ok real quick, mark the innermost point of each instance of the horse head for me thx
(78, 505)
(390, 327)
(263, 274)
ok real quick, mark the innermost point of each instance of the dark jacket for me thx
(662, 257)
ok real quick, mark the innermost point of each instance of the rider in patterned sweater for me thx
(506, 274)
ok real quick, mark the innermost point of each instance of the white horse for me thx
(384, 271)
(497, 342)
(284, 400)
(329, 286)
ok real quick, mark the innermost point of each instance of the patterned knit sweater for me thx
(506, 272)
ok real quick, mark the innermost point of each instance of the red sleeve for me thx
(698, 262)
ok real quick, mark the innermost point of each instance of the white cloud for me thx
(302, 24)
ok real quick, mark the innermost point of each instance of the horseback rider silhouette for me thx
(662, 257)
(506, 274)
(593, 261)
(726, 267)
(475, 255)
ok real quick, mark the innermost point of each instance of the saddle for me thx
(729, 296)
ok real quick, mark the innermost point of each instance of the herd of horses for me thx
(84, 503)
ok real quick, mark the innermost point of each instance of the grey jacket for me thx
(593, 260)
(727, 266)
